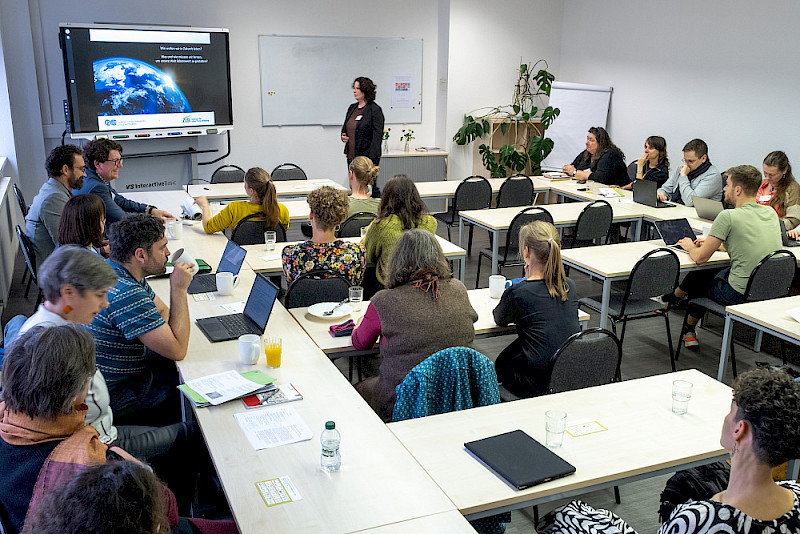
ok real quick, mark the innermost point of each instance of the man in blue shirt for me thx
(104, 160)
(138, 337)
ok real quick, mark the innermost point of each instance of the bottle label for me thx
(330, 453)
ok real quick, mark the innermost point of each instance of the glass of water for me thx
(270, 238)
(356, 297)
(555, 425)
(681, 395)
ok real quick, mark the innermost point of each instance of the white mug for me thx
(226, 282)
(249, 348)
(181, 255)
(174, 229)
(497, 284)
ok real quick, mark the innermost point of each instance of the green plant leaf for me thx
(544, 80)
(503, 128)
(515, 108)
(549, 114)
(526, 116)
(538, 149)
(523, 68)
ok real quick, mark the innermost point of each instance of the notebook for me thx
(231, 262)
(519, 459)
(706, 208)
(646, 192)
(673, 230)
(254, 319)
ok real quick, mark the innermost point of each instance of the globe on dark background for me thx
(128, 86)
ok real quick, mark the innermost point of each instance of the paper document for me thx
(609, 192)
(271, 257)
(278, 491)
(198, 297)
(794, 313)
(272, 427)
(234, 307)
(223, 387)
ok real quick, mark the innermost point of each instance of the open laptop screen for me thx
(232, 258)
(674, 230)
(259, 303)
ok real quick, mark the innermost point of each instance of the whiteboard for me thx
(308, 80)
(582, 106)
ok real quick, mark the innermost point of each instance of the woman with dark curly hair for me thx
(362, 131)
(602, 161)
(324, 250)
(761, 431)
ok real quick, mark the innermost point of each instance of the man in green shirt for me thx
(748, 233)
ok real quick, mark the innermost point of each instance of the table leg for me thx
(606, 298)
(460, 230)
(462, 268)
(727, 339)
(547, 197)
(495, 250)
(792, 469)
(757, 343)
(636, 229)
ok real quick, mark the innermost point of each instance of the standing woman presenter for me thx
(362, 131)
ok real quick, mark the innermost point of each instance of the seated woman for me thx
(401, 209)
(422, 311)
(544, 307)
(602, 161)
(83, 223)
(263, 202)
(654, 164)
(324, 250)
(780, 190)
(362, 175)
(75, 283)
(44, 440)
(761, 431)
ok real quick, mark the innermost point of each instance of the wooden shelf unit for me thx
(515, 134)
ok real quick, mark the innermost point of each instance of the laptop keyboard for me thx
(234, 323)
(204, 283)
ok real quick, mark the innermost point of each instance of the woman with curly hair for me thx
(324, 250)
(602, 161)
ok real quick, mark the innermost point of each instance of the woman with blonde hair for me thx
(362, 175)
(544, 308)
(263, 201)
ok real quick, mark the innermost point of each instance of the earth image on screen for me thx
(128, 86)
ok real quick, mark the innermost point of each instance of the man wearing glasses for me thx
(696, 177)
(103, 160)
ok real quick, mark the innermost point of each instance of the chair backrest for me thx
(250, 231)
(287, 171)
(655, 274)
(516, 190)
(227, 174)
(772, 277)
(589, 358)
(351, 227)
(594, 221)
(522, 218)
(632, 171)
(473, 193)
(12, 328)
(322, 285)
(27, 251)
(23, 206)
(456, 378)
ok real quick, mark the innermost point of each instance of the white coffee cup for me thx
(226, 282)
(249, 348)
(497, 284)
(181, 255)
(174, 229)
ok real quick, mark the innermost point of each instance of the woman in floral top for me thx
(324, 251)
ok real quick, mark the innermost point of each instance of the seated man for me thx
(104, 158)
(696, 177)
(748, 233)
(65, 167)
(138, 337)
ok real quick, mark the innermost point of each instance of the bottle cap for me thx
(330, 425)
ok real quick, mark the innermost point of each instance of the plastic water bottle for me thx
(330, 460)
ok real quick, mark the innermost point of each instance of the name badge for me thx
(359, 117)
(764, 198)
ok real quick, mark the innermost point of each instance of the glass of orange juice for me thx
(272, 350)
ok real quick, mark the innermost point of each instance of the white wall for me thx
(487, 41)
(724, 71)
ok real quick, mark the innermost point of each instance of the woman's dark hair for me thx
(81, 222)
(659, 143)
(259, 181)
(135, 231)
(120, 497)
(46, 368)
(98, 150)
(367, 87)
(400, 197)
(769, 401)
(780, 160)
(603, 142)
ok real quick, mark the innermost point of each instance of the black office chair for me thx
(632, 171)
(593, 224)
(655, 274)
(510, 252)
(29, 254)
(473, 193)
(23, 206)
(227, 174)
(351, 227)
(287, 171)
(250, 231)
(322, 285)
(516, 190)
(771, 278)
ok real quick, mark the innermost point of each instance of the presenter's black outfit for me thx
(609, 168)
(366, 133)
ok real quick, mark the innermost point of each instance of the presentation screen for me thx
(140, 82)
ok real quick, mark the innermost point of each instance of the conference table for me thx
(636, 436)
(235, 190)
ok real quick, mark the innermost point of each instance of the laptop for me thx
(673, 230)
(231, 262)
(519, 459)
(787, 241)
(706, 208)
(254, 319)
(645, 192)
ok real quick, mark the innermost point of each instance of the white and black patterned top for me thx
(698, 517)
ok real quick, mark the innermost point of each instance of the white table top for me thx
(771, 314)
(563, 214)
(282, 187)
(444, 523)
(642, 436)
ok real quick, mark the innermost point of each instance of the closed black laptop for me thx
(519, 459)
(646, 192)
(231, 262)
(254, 319)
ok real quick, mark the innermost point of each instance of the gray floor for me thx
(645, 354)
